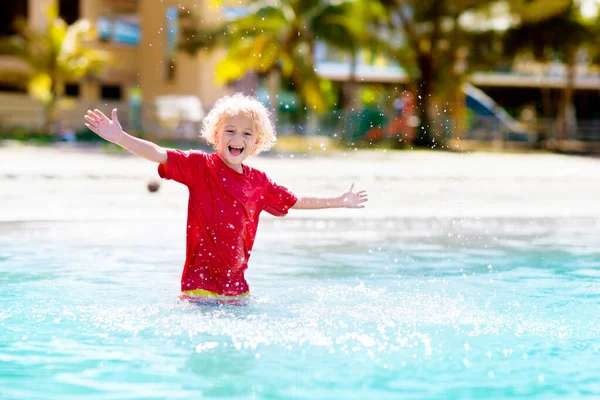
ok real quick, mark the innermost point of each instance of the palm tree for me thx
(51, 58)
(433, 47)
(278, 37)
(557, 37)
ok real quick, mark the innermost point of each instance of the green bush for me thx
(86, 135)
(25, 135)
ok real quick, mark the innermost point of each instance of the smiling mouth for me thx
(236, 150)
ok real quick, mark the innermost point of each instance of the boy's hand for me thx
(103, 126)
(352, 199)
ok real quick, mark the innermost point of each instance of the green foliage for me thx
(280, 36)
(552, 38)
(441, 41)
(534, 11)
(26, 135)
(437, 42)
(85, 135)
(44, 137)
(558, 37)
(52, 57)
(369, 97)
(444, 40)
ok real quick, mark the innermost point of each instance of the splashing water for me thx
(410, 308)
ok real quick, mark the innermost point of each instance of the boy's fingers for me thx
(91, 120)
(90, 114)
(96, 116)
(91, 128)
(114, 115)
(100, 114)
(351, 187)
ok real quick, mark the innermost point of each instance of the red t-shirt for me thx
(223, 211)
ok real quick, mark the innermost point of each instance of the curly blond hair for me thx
(229, 106)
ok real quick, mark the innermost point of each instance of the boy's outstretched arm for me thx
(348, 199)
(110, 129)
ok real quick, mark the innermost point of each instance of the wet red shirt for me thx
(223, 211)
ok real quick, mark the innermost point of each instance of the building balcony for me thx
(125, 63)
(121, 5)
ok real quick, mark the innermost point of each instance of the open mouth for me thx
(236, 150)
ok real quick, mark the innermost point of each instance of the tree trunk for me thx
(547, 97)
(546, 125)
(349, 101)
(350, 87)
(426, 136)
(49, 115)
(567, 114)
(546, 102)
(56, 91)
(458, 111)
(273, 85)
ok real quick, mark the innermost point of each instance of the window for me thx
(111, 92)
(11, 10)
(4, 87)
(72, 90)
(122, 29)
(69, 10)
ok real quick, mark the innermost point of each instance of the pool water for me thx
(341, 309)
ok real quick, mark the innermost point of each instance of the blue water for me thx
(341, 309)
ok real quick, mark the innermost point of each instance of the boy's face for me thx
(236, 140)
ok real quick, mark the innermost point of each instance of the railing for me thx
(123, 5)
(542, 133)
(19, 111)
(582, 130)
(588, 131)
(491, 129)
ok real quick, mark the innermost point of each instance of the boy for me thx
(226, 196)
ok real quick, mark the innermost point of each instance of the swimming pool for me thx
(407, 307)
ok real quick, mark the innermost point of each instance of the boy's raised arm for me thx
(110, 129)
(348, 199)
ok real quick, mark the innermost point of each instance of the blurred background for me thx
(470, 274)
(464, 74)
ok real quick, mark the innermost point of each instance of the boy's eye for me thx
(229, 131)
(248, 133)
